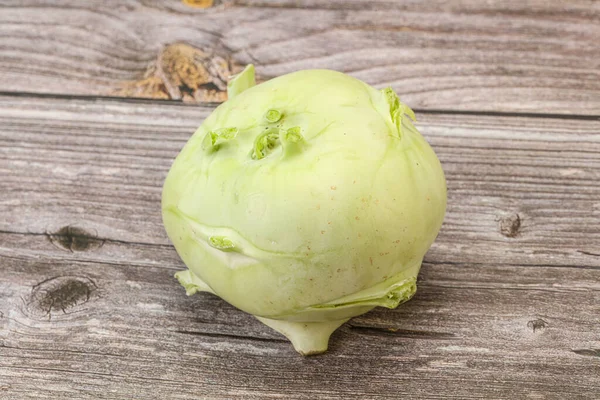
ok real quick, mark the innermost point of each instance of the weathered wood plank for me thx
(506, 306)
(469, 332)
(98, 165)
(533, 56)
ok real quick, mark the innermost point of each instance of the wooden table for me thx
(97, 98)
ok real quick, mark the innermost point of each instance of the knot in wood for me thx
(587, 352)
(187, 73)
(60, 294)
(510, 225)
(537, 324)
(72, 238)
(199, 3)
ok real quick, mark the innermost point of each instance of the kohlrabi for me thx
(305, 201)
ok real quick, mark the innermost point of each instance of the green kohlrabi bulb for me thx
(305, 201)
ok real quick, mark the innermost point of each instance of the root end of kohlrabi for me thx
(308, 338)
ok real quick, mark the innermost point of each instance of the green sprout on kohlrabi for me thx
(305, 201)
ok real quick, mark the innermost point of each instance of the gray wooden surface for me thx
(533, 56)
(508, 302)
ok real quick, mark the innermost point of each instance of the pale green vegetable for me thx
(305, 201)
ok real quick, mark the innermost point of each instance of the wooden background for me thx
(97, 98)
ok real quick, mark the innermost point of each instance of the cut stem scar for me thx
(221, 243)
(398, 110)
(264, 143)
(218, 136)
(273, 115)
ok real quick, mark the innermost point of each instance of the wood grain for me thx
(526, 56)
(102, 162)
(508, 302)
